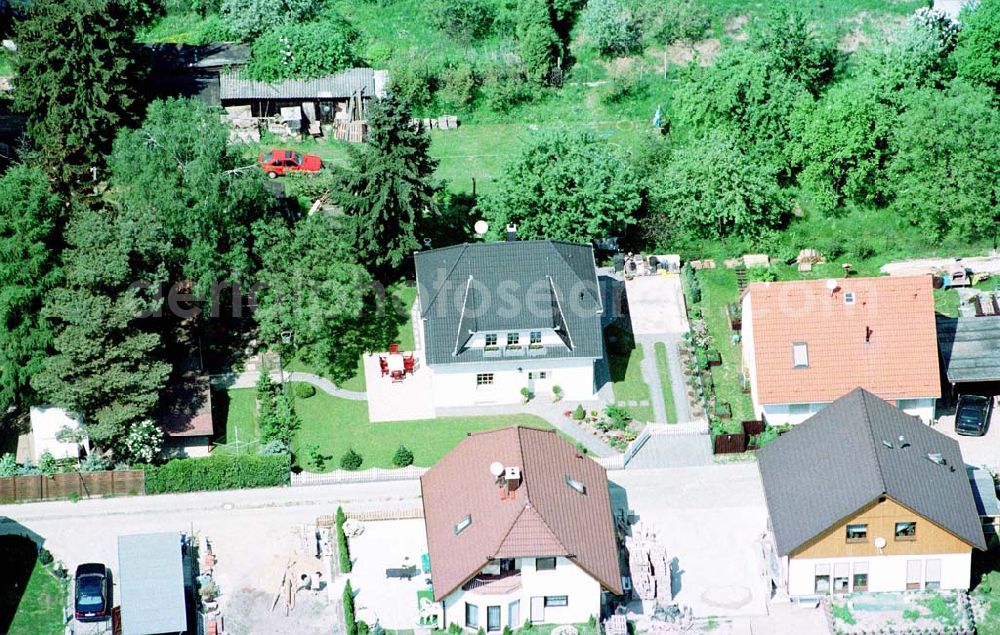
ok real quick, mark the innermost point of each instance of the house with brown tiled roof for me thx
(519, 528)
(808, 342)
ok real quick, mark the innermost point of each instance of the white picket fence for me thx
(370, 475)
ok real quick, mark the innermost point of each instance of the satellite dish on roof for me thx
(496, 468)
(831, 285)
(481, 227)
(880, 543)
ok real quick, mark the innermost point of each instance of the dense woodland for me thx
(782, 141)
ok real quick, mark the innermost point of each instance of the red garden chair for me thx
(384, 365)
(408, 363)
(393, 348)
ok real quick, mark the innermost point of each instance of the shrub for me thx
(911, 614)
(351, 460)
(28, 468)
(304, 390)
(44, 556)
(464, 20)
(679, 20)
(619, 415)
(403, 457)
(504, 87)
(8, 465)
(274, 447)
(217, 472)
(612, 27)
(690, 282)
(246, 19)
(47, 463)
(343, 548)
(94, 462)
(349, 623)
(454, 629)
(303, 51)
(457, 86)
(761, 274)
(579, 414)
(625, 89)
(411, 81)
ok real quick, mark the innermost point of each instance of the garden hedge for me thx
(343, 548)
(349, 624)
(218, 472)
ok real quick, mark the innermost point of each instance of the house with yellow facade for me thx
(864, 497)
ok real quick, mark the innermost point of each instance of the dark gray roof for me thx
(232, 86)
(970, 348)
(984, 490)
(835, 463)
(509, 286)
(151, 579)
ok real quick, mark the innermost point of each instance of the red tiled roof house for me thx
(807, 343)
(519, 527)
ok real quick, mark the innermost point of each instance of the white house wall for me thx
(885, 573)
(455, 384)
(777, 414)
(749, 351)
(583, 595)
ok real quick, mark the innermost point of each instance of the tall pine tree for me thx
(107, 364)
(75, 77)
(30, 215)
(388, 186)
(538, 41)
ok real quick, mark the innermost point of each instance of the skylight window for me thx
(800, 355)
(576, 485)
(849, 297)
(463, 524)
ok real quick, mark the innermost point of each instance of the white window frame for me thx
(556, 601)
(932, 573)
(532, 339)
(800, 355)
(516, 337)
(859, 568)
(484, 380)
(488, 337)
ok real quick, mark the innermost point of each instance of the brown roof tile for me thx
(898, 361)
(546, 517)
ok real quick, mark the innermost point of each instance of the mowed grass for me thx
(663, 372)
(239, 408)
(40, 611)
(337, 425)
(628, 384)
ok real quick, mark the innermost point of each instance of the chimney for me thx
(868, 335)
(511, 233)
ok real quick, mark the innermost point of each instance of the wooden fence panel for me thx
(82, 484)
(753, 428)
(730, 444)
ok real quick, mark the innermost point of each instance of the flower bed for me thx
(909, 613)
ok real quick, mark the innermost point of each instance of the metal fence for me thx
(82, 484)
(359, 476)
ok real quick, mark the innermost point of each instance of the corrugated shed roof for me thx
(885, 341)
(835, 463)
(233, 87)
(151, 579)
(509, 286)
(970, 348)
(546, 517)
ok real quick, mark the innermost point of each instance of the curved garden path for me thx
(249, 379)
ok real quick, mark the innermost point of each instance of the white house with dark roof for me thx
(863, 497)
(519, 528)
(495, 318)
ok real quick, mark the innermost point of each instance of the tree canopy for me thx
(566, 186)
(977, 56)
(76, 79)
(30, 216)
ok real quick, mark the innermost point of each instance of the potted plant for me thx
(526, 395)
(557, 393)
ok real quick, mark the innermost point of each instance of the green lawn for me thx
(663, 371)
(719, 287)
(237, 406)
(40, 611)
(336, 425)
(625, 365)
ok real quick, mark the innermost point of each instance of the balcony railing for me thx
(537, 350)
(514, 350)
(506, 582)
(492, 351)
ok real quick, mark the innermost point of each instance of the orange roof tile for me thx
(885, 341)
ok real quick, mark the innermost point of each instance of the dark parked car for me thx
(972, 416)
(91, 598)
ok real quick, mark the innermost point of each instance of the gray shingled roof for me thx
(507, 286)
(835, 463)
(151, 579)
(970, 348)
(232, 86)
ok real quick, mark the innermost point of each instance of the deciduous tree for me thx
(977, 56)
(566, 186)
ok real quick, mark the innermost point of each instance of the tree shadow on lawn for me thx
(619, 344)
(18, 554)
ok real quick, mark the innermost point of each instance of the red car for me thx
(280, 162)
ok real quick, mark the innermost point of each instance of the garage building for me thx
(970, 354)
(151, 576)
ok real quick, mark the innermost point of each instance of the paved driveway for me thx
(977, 451)
(385, 545)
(656, 305)
(708, 518)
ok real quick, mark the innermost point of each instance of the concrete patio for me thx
(385, 545)
(407, 400)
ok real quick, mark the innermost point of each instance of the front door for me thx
(531, 382)
(538, 609)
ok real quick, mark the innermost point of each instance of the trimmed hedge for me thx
(349, 623)
(218, 472)
(343, 548)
